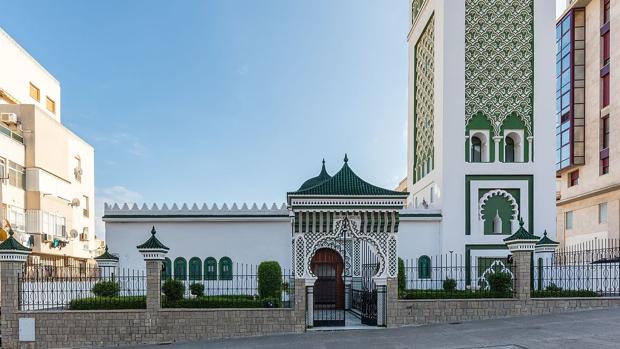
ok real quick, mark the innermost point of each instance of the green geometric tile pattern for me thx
(416, 8)
(499, 60)
(424, 95)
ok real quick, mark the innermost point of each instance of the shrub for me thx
(449, 284)
(269, 280)
(500, 282)
(402, 281)
(107, 303)
(553, 288)
(106, 289)
(455, 294)
(230, 301)
(197, 290)
(564, 293)
(173, 289)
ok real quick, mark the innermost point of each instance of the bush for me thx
(107, 303)
(106, 289)
(449, 284)
(197, 289)
(173, 290)
(224, 302)
(269, 280)
(553, 288)
(500, 282)
(564, 293)
(455, 294)
(402, 280)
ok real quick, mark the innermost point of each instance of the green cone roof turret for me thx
(107, 255)
(322, 177)
(11, 244)
(346, 183)
(521, 234)
(152, 243)
(546, 241)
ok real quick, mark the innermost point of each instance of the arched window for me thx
(509, 150)
(180, 269)
(476, 149)
(424, 267)
(166, 270)
(195, 268)
(226, 268)
(210, 268)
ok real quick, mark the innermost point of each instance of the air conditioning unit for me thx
(78, 172)
(9, 118)
(47, 237)
(84, 236)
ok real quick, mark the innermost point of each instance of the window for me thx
(226, 268)
(166, 269)
(195, 268)
(605, 89)
(424, 267)
(53, 224)
(602, 213)
(50, 105)
(606, 48)
(17, 175)
(509, 150)
(606, 8)
(568, 220)
(604, 146)
(573, 178)
(2, 170)
(86, 210)
(210, 268)
(77, 171)
(35, 93)
(476, 149)
(180, 269)
(17, 218)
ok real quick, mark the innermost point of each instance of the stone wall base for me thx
(62, 329)
(424, 312)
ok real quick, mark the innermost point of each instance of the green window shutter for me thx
(195, 269)
(166, 271)
(424, 267)
(226, 268)
(210, 268)
(180, 268)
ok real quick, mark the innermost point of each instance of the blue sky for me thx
(225, 101)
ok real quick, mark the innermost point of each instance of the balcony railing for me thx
(11, 134)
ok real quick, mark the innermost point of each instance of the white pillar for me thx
(530, 151)
(381, 284)
(496, 140)
(347, 293)
(310, 302)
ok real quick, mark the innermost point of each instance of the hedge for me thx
(402, 280)
(563, 293)
(455, 294)
(269, 280)
(223, 302)
(108, 303)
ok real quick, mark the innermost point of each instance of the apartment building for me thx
(46, 171)
(587, 124)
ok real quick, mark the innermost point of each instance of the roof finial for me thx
(545, 233)
(11, 231)
(106, 248)
(323, 161)
(346, 158)
(521, 223)
(153, 230)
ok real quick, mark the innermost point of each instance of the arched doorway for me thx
(327, 265)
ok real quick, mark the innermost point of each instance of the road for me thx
(590, 329)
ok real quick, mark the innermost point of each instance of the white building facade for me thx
(46, 171)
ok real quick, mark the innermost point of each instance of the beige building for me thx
(47, 172)
(587, 121)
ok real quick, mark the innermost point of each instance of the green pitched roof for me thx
(521, 234)
(346, 183)
(322, 177)
(546, 241)
(11, 244)
(152, 243)
(106, 255)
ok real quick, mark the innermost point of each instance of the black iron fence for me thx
(591, 269)
(451, 276)
(241, 288)
(47, 287)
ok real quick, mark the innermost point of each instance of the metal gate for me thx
(364, 292)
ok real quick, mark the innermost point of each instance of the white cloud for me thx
(128, 142)
(115, 194)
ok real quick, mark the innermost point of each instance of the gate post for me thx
(381, 284)
(347, 293)
(522, 244)
(310, 302)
